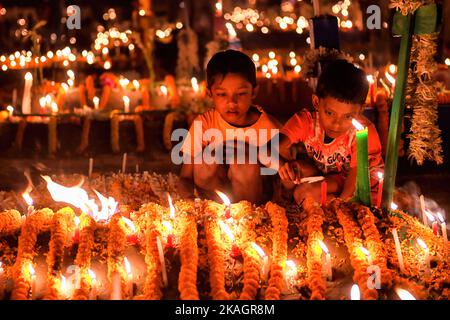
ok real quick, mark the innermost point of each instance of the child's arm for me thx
(186, 187)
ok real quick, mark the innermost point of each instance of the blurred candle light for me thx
(126, 104)
(355, 294)
(96, 102)
(404, 294)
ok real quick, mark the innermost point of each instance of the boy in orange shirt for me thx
(328, 137)
(234, 125)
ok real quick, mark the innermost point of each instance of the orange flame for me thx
(223, 196)
(172, 208)
(227, 230)
(355, 293)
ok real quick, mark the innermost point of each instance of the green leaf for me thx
(426, 20)
(398, 24)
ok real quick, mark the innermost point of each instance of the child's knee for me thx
(244, 173)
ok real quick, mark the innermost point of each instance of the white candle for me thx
(116, 292)
(93, 293)
(422, 208)
(10, 111)
(64, 288)
(124, 162)
(327, 267)
(129, 277)
(398, 250)
(444, 232)
(265, 261)
(162, 261)
(136, 84)
(426, 258)
(26, 100)
(126, 104)
(91, 165)
(32, 280)
(404, 294)
(96, 102)
(195, 85)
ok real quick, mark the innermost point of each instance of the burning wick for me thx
(235, 252)
(162, 261)
(327, 264)
(367, 254)
(355, 293)
(226, 202)
(394, 206)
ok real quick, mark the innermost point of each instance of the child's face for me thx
(335, 116)
(232, 96)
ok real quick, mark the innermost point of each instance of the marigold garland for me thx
(314, 252)
(84, 255)
(40, 221)
(62, 225)
(117, 240)
(353, 241)
(279, 251)
(10, 222)
(374, 244)
(216, 251)
(187, 279)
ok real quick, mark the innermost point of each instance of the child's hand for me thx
(290, 172)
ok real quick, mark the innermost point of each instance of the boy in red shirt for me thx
(328, 137)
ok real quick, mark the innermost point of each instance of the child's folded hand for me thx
(290, 171)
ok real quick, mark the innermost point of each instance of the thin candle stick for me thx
(398, 250)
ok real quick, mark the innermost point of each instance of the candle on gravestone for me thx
(355, 294)
(124, 162)
(26, 100)
(162, 261)
(426, 258)
(398, 250)
(327, 265)
(363, 191)
(323, 197)
(91, 166)
(380, 189)
(116, 292)
(422, 208)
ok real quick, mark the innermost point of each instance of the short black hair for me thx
(343, 81)
(230, 61)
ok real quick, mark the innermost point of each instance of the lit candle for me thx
(10, 111)
(327, 265)
(422, 208)
(226, 202)
(363, 179)
(443, 229)
(131, 236)
(426, 258)
(434, 223)
(265, 260)
(116, 293)
(136, 84)
(26, 100)
(2, 281)
(129, 277)
(235, 252)
(54, 107)
(124, 162)
(367, 254)
(93, 293)
(32, 280)
(291, 272)
(371, 81)
(380, 188)
(323, 192)
(96, 102)
(355, 293)
(219, 8)
(163, 90)
(404, 294)
(394, 206)
(162, 261)
(126, 104)
(91, 166)
(64, 288)
(76, 236)
(195, 85)
(43, 104)
(398, 250)
(168, 226)
(29, 202)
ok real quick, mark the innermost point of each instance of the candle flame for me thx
(1, 268)
(168, 226)
(223, 196)
(392, 68)
(404, 294)
(259, 250)
(31, 270)
(290, 264)
(323, 246)
(77, 220)
(96, 100)
(163, 90)
(65, 86)
(129, 223)
(126, 100)
(227, 230)
(127, 266)
(28, 76)
(10, 108)
(440, 217)
(92, 275)
(194, 83)
(63, 284)
(394, 206)
(365, 251)
(27, 198)
(430, 216)
(54, 107)
(422, 244)
(357, 125)
(136, 84)
(370, 79)
(70, 74)
(380, 175)
(42, 102)
(355, 293)
(172, 208)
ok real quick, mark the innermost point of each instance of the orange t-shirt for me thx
(340, 154)
(210, 127)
